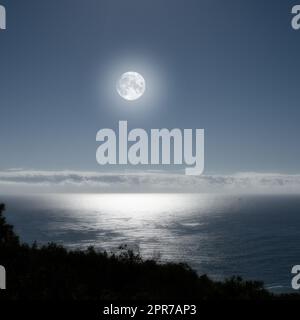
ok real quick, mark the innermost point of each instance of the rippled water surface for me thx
(257, 237)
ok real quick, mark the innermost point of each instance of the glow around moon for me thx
(131, 86)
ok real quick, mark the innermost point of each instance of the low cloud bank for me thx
(14, 181)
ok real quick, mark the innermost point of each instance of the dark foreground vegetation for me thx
(52, 272)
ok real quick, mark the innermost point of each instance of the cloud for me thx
(19, 180)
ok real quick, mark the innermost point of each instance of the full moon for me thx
(131, 86)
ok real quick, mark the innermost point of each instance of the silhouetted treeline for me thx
(52, 272)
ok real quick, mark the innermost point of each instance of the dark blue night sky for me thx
(231, 67)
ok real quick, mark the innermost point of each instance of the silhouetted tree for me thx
(7, 235)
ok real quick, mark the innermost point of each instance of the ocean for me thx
(254, 236)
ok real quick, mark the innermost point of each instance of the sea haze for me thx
(256, 237)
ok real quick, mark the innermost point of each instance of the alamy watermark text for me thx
(133, 147)
(2, 18)
(296, 18)
(2, 278)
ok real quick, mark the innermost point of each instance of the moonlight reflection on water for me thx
(221, 235)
